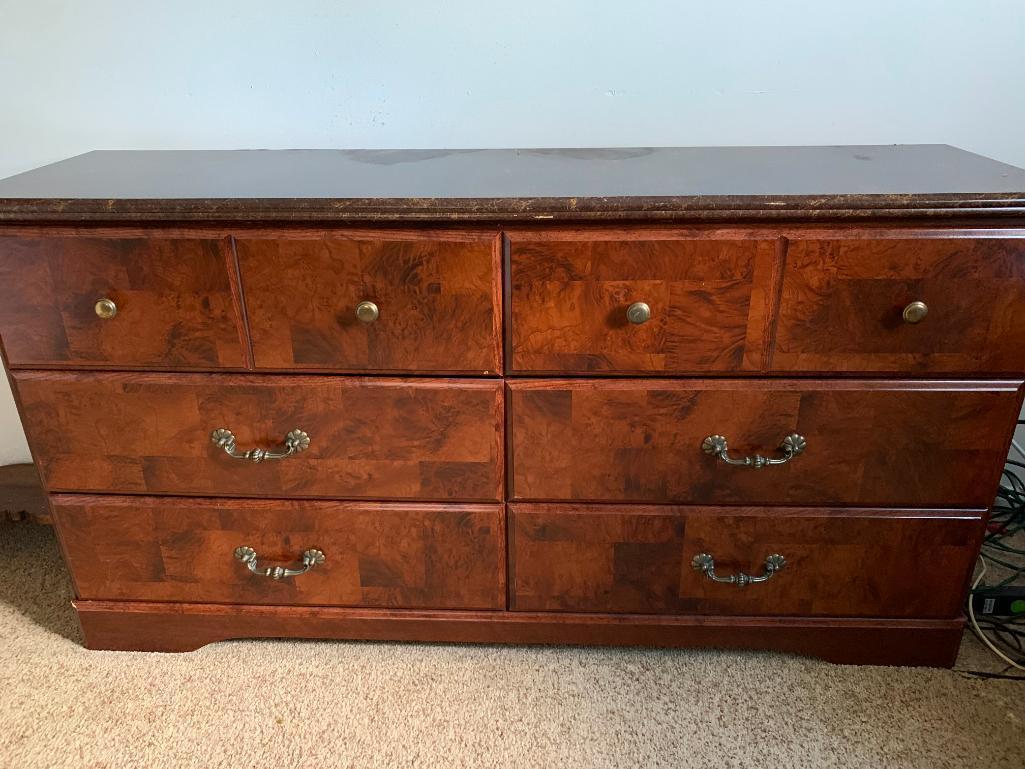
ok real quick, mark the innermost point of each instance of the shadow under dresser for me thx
(735, 397)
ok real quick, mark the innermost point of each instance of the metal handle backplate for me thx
(295, 442)
(791, 446)
(705, 563)
(310, 559)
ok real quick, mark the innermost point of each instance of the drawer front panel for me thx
(571, 299)
(843, 304)
(889, 443)
(172, 302)
(435, 302)
(836, 562)
(369, 438)
(177, 549)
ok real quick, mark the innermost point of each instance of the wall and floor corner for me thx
(213, 75)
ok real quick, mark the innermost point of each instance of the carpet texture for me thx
(265, 704)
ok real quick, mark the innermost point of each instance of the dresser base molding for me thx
(180, 627)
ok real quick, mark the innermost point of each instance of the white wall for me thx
(127, 74)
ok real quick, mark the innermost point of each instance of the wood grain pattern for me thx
(175, 549)
(879, 519)
(183, 627)
(896, 443)
(843, 298)
(842, 563)
(370, 438)
(175, 305)
(569, 296)
(438, 294)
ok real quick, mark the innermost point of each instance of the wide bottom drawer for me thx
(372, 554)
(745, 561)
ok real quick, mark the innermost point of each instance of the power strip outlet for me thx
(1007, 601)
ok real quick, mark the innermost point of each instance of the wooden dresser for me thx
(748, 397)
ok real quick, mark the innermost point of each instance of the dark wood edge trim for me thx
(712, 207)
(122, 625)
(506, 278)
(273, 371)
(741, 511)
(239, 300)
(263, 503)
(510, 559)
(525, 232)
(963, 216)
(510, 454)
(253, 379)
(500, 443)
(497, 305)
(504, 560)
(775, 302)
(776, 382)
(525, 375)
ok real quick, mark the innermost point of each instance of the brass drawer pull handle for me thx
(295, 442)
(311, 558)
(705, 563)
(915, 312)
(638, 312)
(791, 446)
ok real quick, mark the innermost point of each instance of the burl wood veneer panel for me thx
(175, 305)
(838, 562)
(175, 549)
(843, 297)
(708, 294)
(369, 438)
(438, 296)
(869, 442)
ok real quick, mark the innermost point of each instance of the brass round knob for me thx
(105, 308)
(367, 312)
(638, 312)
(915, 312)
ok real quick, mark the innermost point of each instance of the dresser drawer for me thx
(850, 563)
(890, 443)
(125, 301)
(856, 304)
(698, 302)
(368, 438)
(426, 301)
(177, 549)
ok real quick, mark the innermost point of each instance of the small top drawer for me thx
(949, 303)
(368, 302)
(126, 301)
(649, 301)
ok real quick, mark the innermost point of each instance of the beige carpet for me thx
(276, 704)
